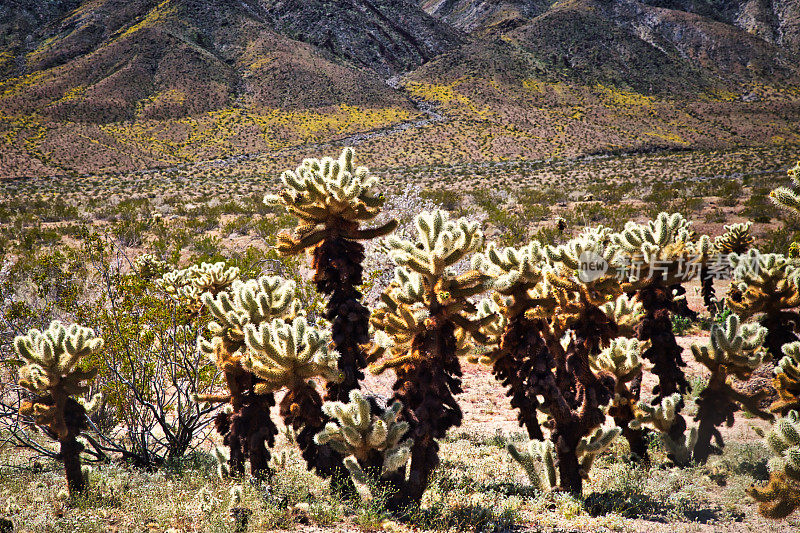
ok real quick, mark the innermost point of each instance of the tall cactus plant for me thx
(781, 496)
(333, 199)
(516, 272)
(655, 254)
(427, 310)
(51, 372)
(246, 428)
(734, 350)
(660, 418)
(767, 288)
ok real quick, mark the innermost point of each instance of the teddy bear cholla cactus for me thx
(661, 417)
(627, 312)
(734, 350)
(428, 303)
(189, 284)
(332, 199)
(787, 380)
(539, 460)
(371, 439)
(516, 272)
(289, 355)
(658, 254)
(622, 358)
(51, 373)
(781, 496)
(766, 285)
(245, 427)
(787, 197)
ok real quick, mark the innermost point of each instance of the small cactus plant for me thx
(622, 358)
(661, 417)
(787, 197)
(539, 460)
(781, 496)
(733, 350)
(768, 288)
(189, 284)
(50, 371)
(371, 439)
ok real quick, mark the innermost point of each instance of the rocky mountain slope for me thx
(98, 85)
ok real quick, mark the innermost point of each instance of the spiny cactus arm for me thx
(737, 347)
(785, 197)
(659, 417)
(543, 477)
(781, 496)
(373, 233)
(622, 358)
(593, 445)
(284, 354)
(787, 380)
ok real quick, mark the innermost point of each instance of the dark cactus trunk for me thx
(782, 328)
(707, 290)
(664, 352)
(337, 262)
(301, 409)
(426, 387)
(248, 432)
(71, 448)
(514, 368)
(623, 415)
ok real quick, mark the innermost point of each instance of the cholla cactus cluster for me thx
(734, 350)
(370, 439)
(737, 239)
(767, 287)
(787, 380)
(189, 284)
(52, 374)
(781, 496)
(149, 266)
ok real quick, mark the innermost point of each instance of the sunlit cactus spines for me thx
(734, 349)
(250, 302)
(329, 194)
(781, 496)
(371, 440)
(428, 312)
(787, 380)
(333, 200)
(627, 312)
(737, 239)
(282, 354)
(538, 461)
(189, 284)
(768, 288)
(661, 418)
(787, 197)
(51, 373)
